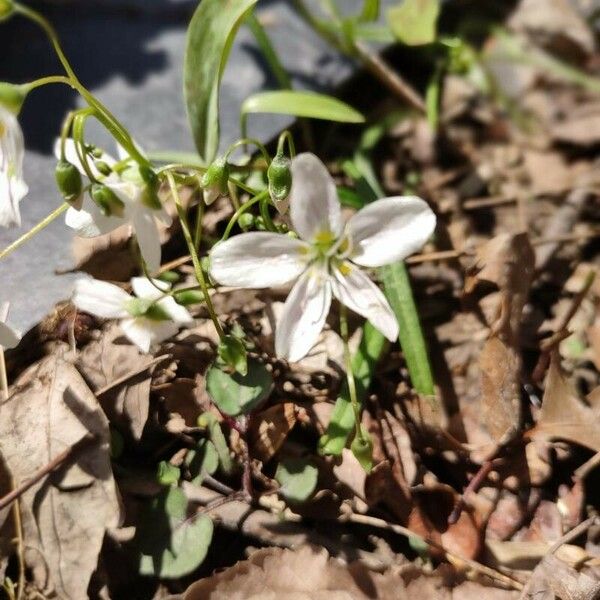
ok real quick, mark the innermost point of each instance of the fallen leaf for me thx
(564, 415)
(106, 360)
(66, 514)
(582, 130)
(548, 172)
(270, 428)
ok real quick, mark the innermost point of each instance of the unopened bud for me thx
(68, 180)
(12, 96)
(279, 176)
(7, 8)
(110, 204)
(246, 221)
(103, 168)
(215, 180)
(362, 448)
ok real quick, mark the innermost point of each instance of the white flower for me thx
(146, 319)
(88, 221)
(326, 259)
(9, 337)
(12, 152)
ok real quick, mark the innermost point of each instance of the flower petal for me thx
(9, 338)
(389, 230)
(12, 152)
(100, 298)
(146, 289)
(314, 205)
(258, 260)
(176, 312)
(89, 221)
(304, 314)
(354, 289)
(145, 332)
(148, 237)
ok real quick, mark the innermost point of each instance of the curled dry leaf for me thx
(66, 514)
(106, 360)
(564, 415)
(507, 261)
(270, 428)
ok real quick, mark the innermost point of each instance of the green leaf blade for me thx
(301, 104)
(297, 478)
(414, 22)
(209, 40)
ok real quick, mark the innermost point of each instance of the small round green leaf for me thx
(297, 478)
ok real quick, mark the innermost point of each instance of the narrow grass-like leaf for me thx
(414, 22)
(370, 10)
(399, 293)
(371, 347)
(300, 104)
(209, 39)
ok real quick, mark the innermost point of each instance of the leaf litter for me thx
(473, 495)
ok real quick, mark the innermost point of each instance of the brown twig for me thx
(121, 380)
(58, 460)
(587, 467)
(548, 345)
(20, 548)
(487, 202)
(475, 483)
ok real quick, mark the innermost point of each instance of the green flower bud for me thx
(68, 180)
(12, 96)
(233, 353)
(103, 167)
(189, 297)
(279, 176)
(246, 221)
(214, 181)
(107, 200)
(7, 8)
(169, 277)
(150, 195)
(362, 448)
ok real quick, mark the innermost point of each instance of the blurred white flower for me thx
(12, 152)
(146, 319)
(326, 260)
(9, 337)
(87, 218)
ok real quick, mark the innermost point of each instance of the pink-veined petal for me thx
(389, 230)
(9, 338)
(258, 260)
(146, 332)
(304, 314)
(354, 289)
(147, 235)
(315, 209)
(100, 298)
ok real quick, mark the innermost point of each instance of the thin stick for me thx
(487, 202)
(431, 256)
(587, 467)
(119, 381)
(568, 537)
(20, 556)
(472, 487)
(45, 470)
(399, 529)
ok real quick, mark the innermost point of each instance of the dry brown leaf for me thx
(554, 24)
(65, 515)
(548, 172)
(270, 428)
(110, 357)
(554, 579)
(180, 398)
(564, 415)
(582, 130)
(525, 555)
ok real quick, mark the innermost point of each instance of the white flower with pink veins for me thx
(327, 258)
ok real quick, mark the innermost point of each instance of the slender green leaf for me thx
(297, 478)
(399, 293)
(370, 10)
(300, 104)
(209, 421)
(268, 51)
(209, 39)
(414, 22)
(202, 461)
(371, 347)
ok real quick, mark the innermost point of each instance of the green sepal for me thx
(232, 352)
(7, 8)
(362, 448)
(12, 95)
(108, 202)
(279, 176)
(144, 307)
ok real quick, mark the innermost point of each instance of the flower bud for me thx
(279, 176)
(103, 167)
(246, 221)
(12, 96)
(215, 180)
(68, 180)
(107, 200)
(7, 8)
(362, 448)
(233, 353)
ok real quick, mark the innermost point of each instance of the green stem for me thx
(32, 85)
(286, 136)
(350, 374)
(34, 230)
(244, 142)
(104, 115)
(241, 210)
(199, 217)
(194, 254)
(264, 213)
